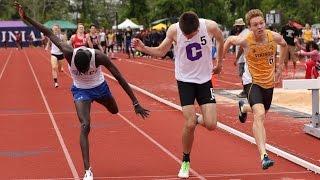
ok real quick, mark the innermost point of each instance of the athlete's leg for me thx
(209, 115)
(286, 60)
(109, 103)
(187, 139)
(189, 126)
(54, 69)
(83, 112)
(259, 132)
(260, 101)
(206, 99)
(60, 65)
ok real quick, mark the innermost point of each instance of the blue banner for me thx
(28, 34)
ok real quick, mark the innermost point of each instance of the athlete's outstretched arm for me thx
(102, 59)
(233, 40)
(159, 51)
(64, 47)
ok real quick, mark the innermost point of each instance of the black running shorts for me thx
(189, 92)
(59, 56)
(258, 95)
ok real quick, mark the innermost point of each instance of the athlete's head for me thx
(82, 60)
(255, 21)
(189, 23)
(80, 28)
(56, 29)
(93, 28)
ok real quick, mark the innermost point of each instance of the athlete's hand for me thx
(140, 110)
(20, 9)
(137, 44)
(278, 76)
(217, 69)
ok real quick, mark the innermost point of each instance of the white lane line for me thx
(5, 65)
(273, 149)
(55, 126)
(174, 176)
(158, 145)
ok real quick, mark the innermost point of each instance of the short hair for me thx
(80, 24)
(92, 25)
(252, 14)
(82, 60)
(57, 25)
(189, 22)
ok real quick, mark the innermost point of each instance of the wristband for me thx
(135, 104)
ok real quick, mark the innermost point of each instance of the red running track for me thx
(40, 130)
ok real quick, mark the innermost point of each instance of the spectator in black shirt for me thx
(290, 35)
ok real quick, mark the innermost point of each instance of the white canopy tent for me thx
(128, 23)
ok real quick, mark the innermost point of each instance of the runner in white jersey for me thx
(89, 84)
(103, 39)
(192, 39)
(193, 60)
(56, 55)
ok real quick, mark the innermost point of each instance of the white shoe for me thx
(199, 119)
(56, 85)
(88, 175)
(184, 170)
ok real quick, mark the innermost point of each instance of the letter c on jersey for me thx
(194, 51)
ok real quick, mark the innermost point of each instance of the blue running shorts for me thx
(91, 94)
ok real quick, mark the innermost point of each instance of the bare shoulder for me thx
(101, 58)
(211, 23)
(172, 31)
(278, 38)
(276, 35)
(212, 27)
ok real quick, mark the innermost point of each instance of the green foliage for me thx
(103, 12)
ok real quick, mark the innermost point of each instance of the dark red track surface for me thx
(124, 146)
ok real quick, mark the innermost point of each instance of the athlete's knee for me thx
(211, 125)
(85, 128)
(190, 125)
(114, 110)
(259, 116)
(54, 68)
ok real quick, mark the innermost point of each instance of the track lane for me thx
(280, 126)
(28, 146)
(110, 134)
(159, 122)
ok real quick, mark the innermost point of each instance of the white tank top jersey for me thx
(193, 58)
(102, 36)
(54, 49)
(91, 78)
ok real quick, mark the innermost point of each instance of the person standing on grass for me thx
(259, 76)
(192, 39)
(89, 84)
